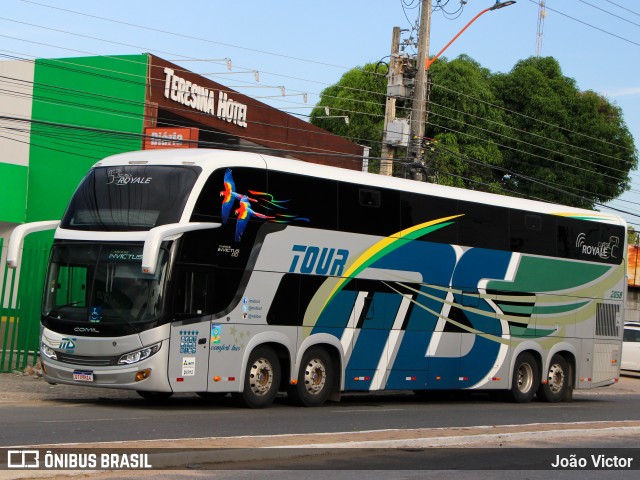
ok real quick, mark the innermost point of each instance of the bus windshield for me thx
(103, 284)
(130, 197)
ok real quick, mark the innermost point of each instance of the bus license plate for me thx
(83, 376)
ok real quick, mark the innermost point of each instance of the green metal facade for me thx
(14, 192)
(83, 109)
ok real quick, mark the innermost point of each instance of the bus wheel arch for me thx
(557, 384)
(525, 378)
(318, 376)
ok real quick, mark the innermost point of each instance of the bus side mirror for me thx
(157, 235)
(14, 252)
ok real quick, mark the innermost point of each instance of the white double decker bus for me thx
(220, 272)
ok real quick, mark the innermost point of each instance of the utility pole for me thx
(386, 161)
(419, 107)
(542, 13)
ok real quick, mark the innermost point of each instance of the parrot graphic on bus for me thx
(228, 195)
(245, 211)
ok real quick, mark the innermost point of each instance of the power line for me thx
(132, 24)
(610, 13)
(537, 2)
(119, 42)
(544, 122)
(624, 8)
(190, 37)
(357, 112)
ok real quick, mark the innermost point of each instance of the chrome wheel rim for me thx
(525, 378)
(261, 377)
(555, 378)
(315, 376)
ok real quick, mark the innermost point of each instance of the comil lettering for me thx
(202, 99)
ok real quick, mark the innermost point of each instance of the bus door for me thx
(189, 356)
(190, 333)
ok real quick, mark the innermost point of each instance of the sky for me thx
(305, 46)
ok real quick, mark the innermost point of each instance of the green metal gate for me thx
(20, 299)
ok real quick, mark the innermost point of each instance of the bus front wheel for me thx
(261, 380)
(315, 379)
(555, 387)
(526, 378)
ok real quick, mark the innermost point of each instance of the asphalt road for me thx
(74, 415)
(402, 426)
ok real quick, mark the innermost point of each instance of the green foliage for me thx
(588, 158)
(531, 131)
(454, 109)
(359, 95)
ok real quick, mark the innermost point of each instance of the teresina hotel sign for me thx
(204, 100)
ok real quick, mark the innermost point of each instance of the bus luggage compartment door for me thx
(189, 357)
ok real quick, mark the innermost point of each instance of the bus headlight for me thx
(138, 355)
(48, 352)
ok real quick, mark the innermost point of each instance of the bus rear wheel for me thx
(261, 380)
(315, 379)
(555, 387)
(526, 378)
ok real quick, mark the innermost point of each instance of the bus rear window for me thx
(130, 197)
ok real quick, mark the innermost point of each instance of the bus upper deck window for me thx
(533, 222)
(369, 198)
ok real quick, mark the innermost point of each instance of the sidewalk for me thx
(30, 388)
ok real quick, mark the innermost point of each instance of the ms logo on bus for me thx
(65, 343)
(321, 261)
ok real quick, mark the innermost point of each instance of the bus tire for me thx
(555, 387)
(526, 378)
(315, 379)
(261, 380)
(154, 396)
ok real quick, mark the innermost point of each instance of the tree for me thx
(530, 132)
(576, 142)
(360, 96)
(461, 118)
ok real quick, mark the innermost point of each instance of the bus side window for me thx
(531, 232)
(369, 198)
(366, 210)
(195, 290)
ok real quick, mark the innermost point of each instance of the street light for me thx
(498, 5)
